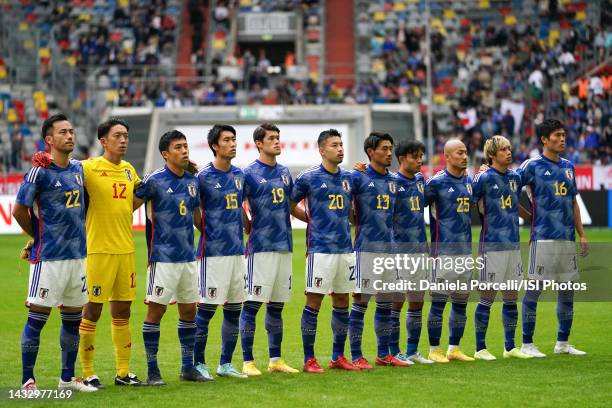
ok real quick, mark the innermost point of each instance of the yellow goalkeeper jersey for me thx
(110, 191)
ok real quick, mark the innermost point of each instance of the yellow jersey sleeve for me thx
(110, 191)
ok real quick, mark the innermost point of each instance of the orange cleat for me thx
(390, 360)
(362, 364)
(313, 367)
(343, 364)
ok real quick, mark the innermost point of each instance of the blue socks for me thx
(69, 343)
(150, 336)
(565, 313)
(247, 328)
(229, 331)
(339, 325)
(530, 304)
(205, 313)
(434, 320)
(481, 322)
(309, 331)
(395, 332)
(414, 321)
(456, 322)
(509, 319)
(356, 329)
(274, 328)
(382, 327)
(30, 341)
(186, 335)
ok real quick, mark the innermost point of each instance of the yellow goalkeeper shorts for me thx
(111, 277)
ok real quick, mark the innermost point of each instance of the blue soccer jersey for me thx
(267, 190)
(497, 196)
(170, 203)
(55, 197)
(328, 203)
(374, 196)
(221, 195)
(551, 188)
(408, 220)
(449, 200)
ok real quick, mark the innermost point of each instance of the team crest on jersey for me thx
(569, 174)
(191, 188)
(128, 173)
(212, 293)
(346, 186)
(159, 291)
(79, 179)
(43, 293)
(257, 290)
(392, 187)
(238, 183)
(318, 282)
(285, 179)
(469, 188)
(96, 290)
(491, 276)
(513, 186)
(365, 283)
(420, 187)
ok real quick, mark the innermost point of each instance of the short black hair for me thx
(260, 132)
(374, 139)
(48, 124)
(408, 147)
(105, 127)
(215, 132)
(547, 127)
(326, 134)
(168, 137)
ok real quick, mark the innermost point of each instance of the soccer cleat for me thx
(516, 353)
(564, 348)
(192, 374)
(279, 366)
(203, 369)
(94, 381)
(531, 350)
(312, 366)
(343, 364)
(437, 356)
(418, 358)
(29, 385)
(155, 379)
(457, 354)
(390, 360)
(76, 384)
(228, 370)
(403, 357)
(362, 364)
(250, 369)
(129, 380)
(484, 355)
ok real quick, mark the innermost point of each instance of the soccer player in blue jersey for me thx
(330, 261)
(220, 249)
(449, 196)
(555, 219)
(374, 195)
(409, 238)
(50, 208)
(173, 207)
(267, 188)
(496, 192)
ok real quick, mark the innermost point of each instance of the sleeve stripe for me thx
(33, 174)
(153, 173)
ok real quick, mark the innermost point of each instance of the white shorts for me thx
(453, 268)
(330, 273)
(501, 267)
(371, 270)
(222, 279)
(415, 269)
(555, 260)
(58, 283)
(169, 282)
(269, 276)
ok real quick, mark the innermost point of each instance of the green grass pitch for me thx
(553, 381)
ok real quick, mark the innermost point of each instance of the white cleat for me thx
(563, 348)
(29, 385)
(484, 355)
(76, 384)
(531, 350)
(418, 358)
